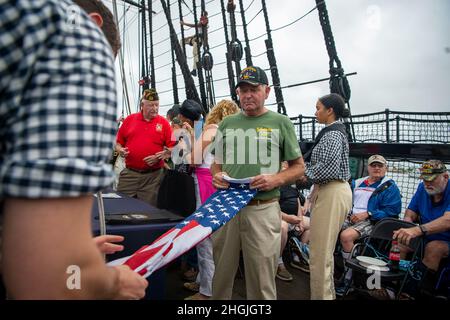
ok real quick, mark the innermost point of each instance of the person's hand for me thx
(219, 182)
(303, 210)
(131, 285)
(264, 182)
(303, 179)
(301, 226)
(188, 128)
(358, 217)
(405, 235)
(124, 152)
(106, 243)
(151, 160)
(163, 155)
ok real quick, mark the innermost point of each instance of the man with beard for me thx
(430, 206)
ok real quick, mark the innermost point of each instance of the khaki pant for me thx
(257, 231)
(144, 186)
(330, 205)
(193, 41)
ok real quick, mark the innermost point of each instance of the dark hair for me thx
(191, 109)
(173, 112)
(335, 101)
(109, 27)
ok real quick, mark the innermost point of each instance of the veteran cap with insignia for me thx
(252, 75)
(431, 169)
(150, 95)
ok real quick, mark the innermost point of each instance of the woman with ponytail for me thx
(327, 166)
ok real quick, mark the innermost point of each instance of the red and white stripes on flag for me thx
(220, 208)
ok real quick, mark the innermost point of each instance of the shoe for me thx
(192, 286)
(190, 275)
(343, 287)
(304, 251)
(197, 296)
(381, 294)
(194, 72)
(300, 264)
(283, 274)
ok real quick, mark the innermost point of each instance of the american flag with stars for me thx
(217, 210)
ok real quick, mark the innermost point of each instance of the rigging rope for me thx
(248, 54)
(122, 69)
(191, 91)
(273, 63)
(228, 55)
(338, 82)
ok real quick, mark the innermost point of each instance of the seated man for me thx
(292, 215)
(374, 197)
(430, 206)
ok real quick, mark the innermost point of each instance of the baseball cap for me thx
(377, 158)
(431, 169)
(252, 75)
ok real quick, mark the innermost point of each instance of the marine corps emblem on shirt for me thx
(159, 127)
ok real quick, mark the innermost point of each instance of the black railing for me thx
(405, 139)
(386, 126)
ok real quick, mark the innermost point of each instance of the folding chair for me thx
(377, 245)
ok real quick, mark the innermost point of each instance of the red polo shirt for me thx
(144, 138)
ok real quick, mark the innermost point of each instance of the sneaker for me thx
(197, 296)
(283, 274)
(304, 251)
(300, 264)
(299, 248)
(343, 288)
(190, 275)
(192, 286)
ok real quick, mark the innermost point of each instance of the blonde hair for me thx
(221, 110)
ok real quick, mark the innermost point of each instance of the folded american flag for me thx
(217, 210)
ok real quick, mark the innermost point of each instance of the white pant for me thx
(205, 256)
(205, 266)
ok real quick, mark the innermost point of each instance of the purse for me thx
(177, 193)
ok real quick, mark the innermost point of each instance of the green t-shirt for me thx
(250, 146)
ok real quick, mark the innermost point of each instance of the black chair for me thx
(377, 245)
(442, 287)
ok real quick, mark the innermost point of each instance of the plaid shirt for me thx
(57, 101)
(329, 159)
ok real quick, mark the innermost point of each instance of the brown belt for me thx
(256, 202)
(143, 171)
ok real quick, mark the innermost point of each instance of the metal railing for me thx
(386, 126)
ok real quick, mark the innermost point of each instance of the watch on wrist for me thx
(423, 229)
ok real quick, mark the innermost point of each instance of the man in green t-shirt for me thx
(252, 144)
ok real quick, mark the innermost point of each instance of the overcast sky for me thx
(400, 50)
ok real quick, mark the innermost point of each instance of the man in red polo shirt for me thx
(144, 140)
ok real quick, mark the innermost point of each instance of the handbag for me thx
(177, 193)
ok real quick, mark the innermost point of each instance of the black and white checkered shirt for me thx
(57, 101)
(329, 159)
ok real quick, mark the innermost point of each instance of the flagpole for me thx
(101, 214)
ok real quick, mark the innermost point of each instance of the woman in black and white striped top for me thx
(328, 167)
